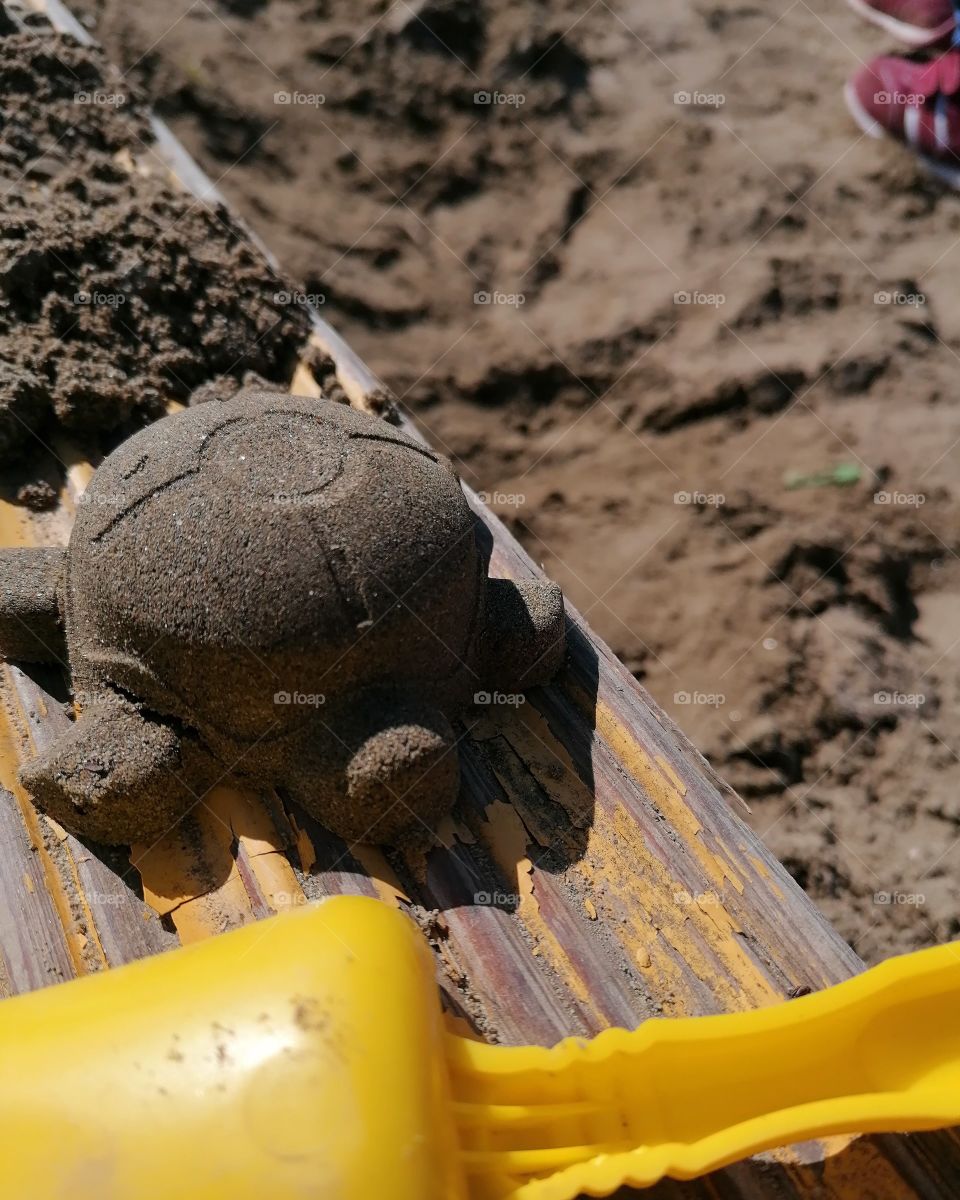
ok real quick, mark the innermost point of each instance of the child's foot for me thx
(917, 103)
(913, 22)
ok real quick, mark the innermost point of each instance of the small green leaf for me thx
(842, 475)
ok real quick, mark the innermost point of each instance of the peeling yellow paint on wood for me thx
(450, 831)
(92, 937)
(661, 787)
(384, 879)
(671, 774)
(14, 530)
(759, 866)
(15, 746)
(304, 383)
(57, 829)
(191, 876)
(676, 929)
(243, 816)
(548, 761)
(507, 838)
(854, 1168)
(696, 933)
(306, 851)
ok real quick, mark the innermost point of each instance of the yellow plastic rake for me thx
(306, 1056)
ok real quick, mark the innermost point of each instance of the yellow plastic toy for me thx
(306, 1057)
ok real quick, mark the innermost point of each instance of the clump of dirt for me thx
(117, 294)
(634, 268)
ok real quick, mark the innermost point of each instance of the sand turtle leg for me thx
(116, 776)
(523, 638)
(383, 764)
(31, 629)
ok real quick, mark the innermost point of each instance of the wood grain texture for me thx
(595, 872)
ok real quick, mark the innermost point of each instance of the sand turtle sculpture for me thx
(277, 589)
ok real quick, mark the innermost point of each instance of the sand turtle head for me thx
(265, 545)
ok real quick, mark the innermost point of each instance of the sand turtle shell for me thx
(281, 588)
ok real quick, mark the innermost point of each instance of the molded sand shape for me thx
(274, 588)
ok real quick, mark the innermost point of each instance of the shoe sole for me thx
(911, 35)
(866, 123)
(942, 171)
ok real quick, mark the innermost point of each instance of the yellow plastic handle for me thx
(305, 1058)
(880, 1052)
(298, 1057)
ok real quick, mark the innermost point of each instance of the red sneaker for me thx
(914, 22)
(917, 103)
